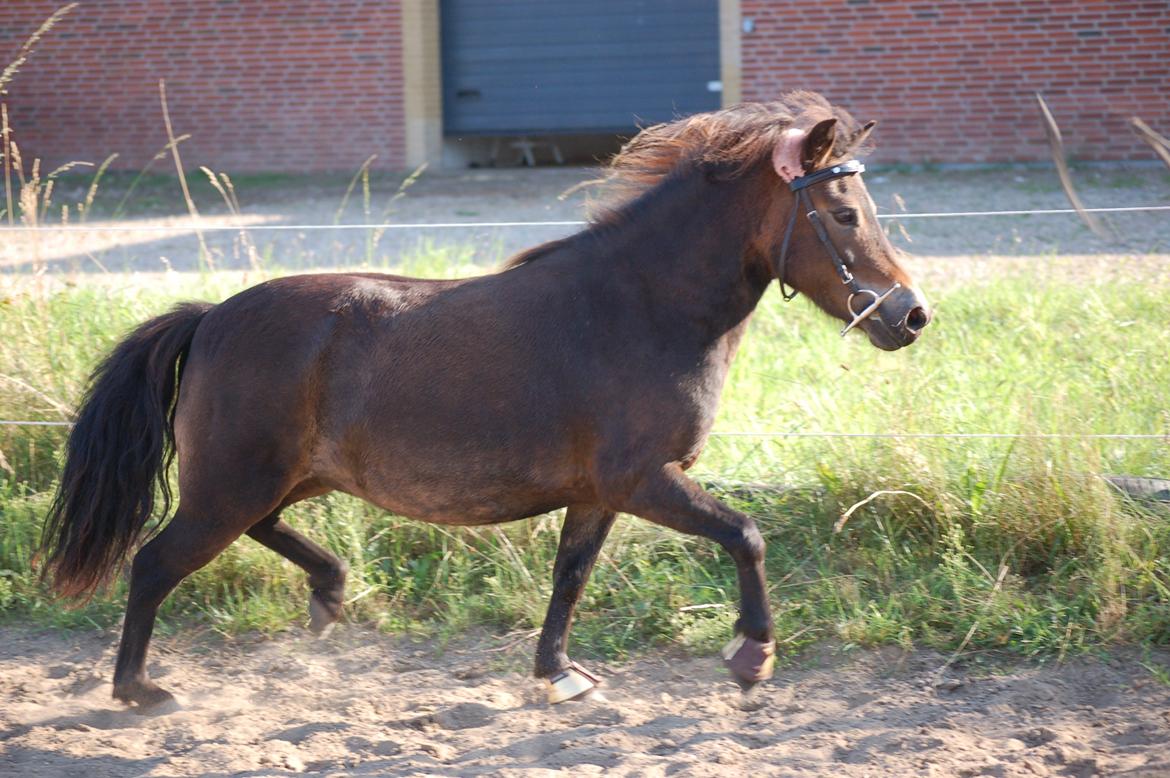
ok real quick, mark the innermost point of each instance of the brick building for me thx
(310, 85)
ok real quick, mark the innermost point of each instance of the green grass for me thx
(1018, 544)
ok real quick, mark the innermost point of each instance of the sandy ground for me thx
(360, 703)
(510, 194)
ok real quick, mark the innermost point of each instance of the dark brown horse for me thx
(586, 374)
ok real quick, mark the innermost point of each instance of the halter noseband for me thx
(800, 186)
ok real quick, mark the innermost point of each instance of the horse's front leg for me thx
(668, 497)
(582, 535)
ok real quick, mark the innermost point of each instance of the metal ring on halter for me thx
(868, 311)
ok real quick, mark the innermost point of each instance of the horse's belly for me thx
(460, 505)
(461, 483)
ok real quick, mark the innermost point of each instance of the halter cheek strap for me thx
(800, 186)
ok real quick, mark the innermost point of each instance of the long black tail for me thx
(119, 450)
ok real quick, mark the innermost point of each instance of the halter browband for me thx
(800, 185)
(826, 174)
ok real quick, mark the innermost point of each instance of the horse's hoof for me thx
(322, 616)
(573, 683)
(750, 661)
(146, 697)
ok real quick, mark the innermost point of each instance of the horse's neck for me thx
(685, 247)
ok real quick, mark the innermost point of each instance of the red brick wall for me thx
(275, 85)
(953, 81)
(299, 85)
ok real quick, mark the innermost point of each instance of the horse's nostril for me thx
(917, 319)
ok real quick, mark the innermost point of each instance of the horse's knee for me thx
(747, 545)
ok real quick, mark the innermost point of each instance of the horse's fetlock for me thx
(338, 574)
(330, 580)
(551, 663)
(762, 632)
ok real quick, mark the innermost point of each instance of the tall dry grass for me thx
(978, 544)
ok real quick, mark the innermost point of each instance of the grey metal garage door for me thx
(513, 67)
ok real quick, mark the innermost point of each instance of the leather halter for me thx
(800, 186)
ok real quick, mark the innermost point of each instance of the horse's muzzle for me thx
(899, 321)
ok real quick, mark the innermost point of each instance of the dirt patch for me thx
(361, 703)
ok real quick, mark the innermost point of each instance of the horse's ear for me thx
(786, 156)
(860, 136)
(818, 146)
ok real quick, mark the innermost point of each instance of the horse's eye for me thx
(846, 216)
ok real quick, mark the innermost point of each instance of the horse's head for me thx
(824, 239)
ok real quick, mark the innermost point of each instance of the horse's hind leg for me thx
(188, 542)
(326, 570)
(582, 536)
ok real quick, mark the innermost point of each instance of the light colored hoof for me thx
(750, 661)
(570, 684)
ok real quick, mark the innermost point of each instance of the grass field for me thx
(1012, 544)
(982, 543)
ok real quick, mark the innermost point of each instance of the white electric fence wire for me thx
(176, 227)
(487, 225)
(879, 435)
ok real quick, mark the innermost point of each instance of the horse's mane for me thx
(734, 139)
